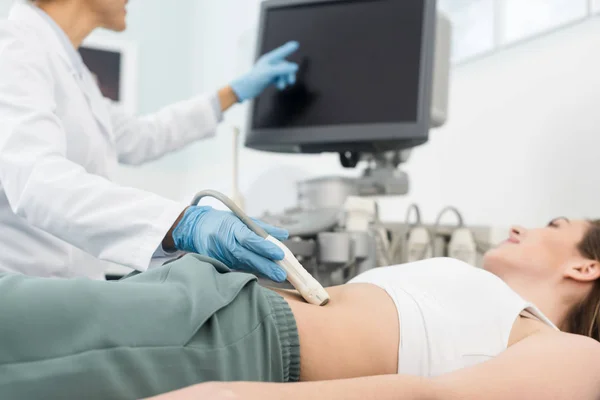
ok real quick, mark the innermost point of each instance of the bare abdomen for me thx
(356, 334)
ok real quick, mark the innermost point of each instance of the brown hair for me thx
(584, 318)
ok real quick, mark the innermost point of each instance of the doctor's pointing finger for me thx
(60, 142)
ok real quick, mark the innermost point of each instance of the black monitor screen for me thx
(359, 63)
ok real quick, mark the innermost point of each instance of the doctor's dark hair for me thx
(584, 318)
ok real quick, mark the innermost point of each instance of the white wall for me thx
(5, 7)
(522, 144)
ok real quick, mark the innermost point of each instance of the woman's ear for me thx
(583, 270)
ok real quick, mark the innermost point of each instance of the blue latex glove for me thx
(271, 68)
(223, 236)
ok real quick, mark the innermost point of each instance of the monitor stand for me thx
(381, 177)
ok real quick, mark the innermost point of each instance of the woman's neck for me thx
(73, 17)
(552, 300)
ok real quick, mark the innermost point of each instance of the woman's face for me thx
(110, 13)
(542, 252)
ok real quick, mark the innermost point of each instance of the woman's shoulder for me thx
(564, 341)
(526, 327)
(532, 333)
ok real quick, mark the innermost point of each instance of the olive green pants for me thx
(187, 322)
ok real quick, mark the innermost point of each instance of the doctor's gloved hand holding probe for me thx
(251, 243)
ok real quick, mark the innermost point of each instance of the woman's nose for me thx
(517, 230)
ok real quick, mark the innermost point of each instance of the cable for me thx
(349, 269)
(462, 245)
(481, 247)
(399, 238)
(426, 231)
(382, 243)
(310, 289)
(438, 221)
(234, 208)
(446, 210)
(382, 246)
(417, 210)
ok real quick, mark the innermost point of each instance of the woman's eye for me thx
(553, 224)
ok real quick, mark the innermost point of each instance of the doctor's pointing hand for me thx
(61, 140)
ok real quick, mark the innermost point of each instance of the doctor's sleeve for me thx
(111, 222)
(145, 138)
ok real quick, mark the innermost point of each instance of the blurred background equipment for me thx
(365, 96)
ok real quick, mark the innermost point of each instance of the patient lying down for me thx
(435, 329)
(454, 331)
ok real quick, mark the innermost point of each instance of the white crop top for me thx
(451, 315)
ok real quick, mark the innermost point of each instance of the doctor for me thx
(60, 141)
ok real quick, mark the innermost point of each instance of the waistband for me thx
(288, 336)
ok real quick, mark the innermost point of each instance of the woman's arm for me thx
(543, 366)
(388, 387)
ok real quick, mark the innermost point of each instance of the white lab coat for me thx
(60, 141)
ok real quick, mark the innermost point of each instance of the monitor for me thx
(365, 78)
